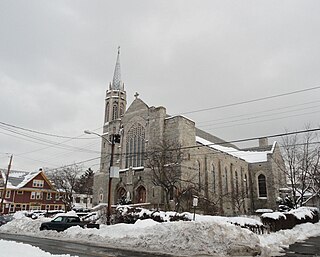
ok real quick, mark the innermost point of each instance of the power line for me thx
(253, 100)
(41, 133)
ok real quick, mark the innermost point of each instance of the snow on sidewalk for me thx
(14, 249)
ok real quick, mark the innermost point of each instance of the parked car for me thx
(64, 222)
(5, 219)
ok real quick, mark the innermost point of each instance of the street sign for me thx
(114, 172)
(195, 201)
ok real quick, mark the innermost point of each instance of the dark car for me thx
(61, 223)
(5, 219)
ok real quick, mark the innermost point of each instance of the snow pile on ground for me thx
(275, 242)
(207, 235)
(9, 248)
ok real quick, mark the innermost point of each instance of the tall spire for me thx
(116, 82)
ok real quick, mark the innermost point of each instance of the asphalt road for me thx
(308, 248)
(54, 246)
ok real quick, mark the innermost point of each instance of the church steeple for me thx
(116, 99)
(116, 82)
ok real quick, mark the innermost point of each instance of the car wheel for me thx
(44, 228)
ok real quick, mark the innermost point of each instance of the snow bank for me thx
(10, 248)
(208, 235)
(274, 242)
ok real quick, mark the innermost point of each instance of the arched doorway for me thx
(141, 194)
(120, 195)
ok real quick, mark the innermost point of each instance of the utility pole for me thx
(115, 138)
(5, 186)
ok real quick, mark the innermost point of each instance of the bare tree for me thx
(301, 156)
(65, 179)
(164, 160)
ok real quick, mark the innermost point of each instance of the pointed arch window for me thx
(213, 178)
(197, 170)
(141, 194)
(236, 181)
(107, 112)
(121, 110)
(262, 185)
(115, 111)
(135, 146)
(246, 185)
(226, 179)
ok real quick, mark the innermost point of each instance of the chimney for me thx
(263, 142)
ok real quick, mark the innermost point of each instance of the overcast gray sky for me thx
(57, 59)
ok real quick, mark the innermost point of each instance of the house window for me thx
(262, 185)
(47, 207)
(57, 196)
(18, 205)
(24, 207)
(36, 195)
(49, 196)
(11, 208)
(8, 194)
(20, 192)
(37, 183)
(77, 199)
(135, 146)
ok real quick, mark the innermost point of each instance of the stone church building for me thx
(225, 179)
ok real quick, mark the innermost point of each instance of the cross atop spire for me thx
(116, 82)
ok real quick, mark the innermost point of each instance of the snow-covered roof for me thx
(248, 156)
(18, 179)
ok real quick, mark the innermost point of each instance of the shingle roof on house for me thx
(18, 179)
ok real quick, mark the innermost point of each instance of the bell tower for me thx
(115, 106)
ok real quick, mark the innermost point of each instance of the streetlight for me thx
(113, 171)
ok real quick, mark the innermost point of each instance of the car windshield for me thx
(57, 219)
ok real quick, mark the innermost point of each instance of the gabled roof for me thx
(18, 179)
(248, 156)
(137, 104)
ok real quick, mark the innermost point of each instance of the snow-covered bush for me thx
(287, 220)
(130, 215)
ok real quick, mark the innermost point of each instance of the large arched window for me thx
(262, 185)
(135, 146)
